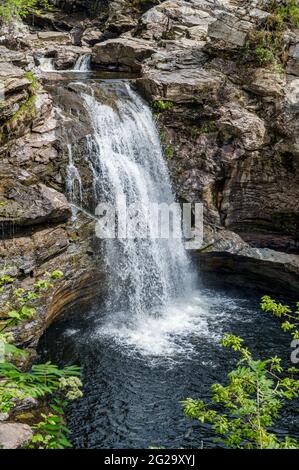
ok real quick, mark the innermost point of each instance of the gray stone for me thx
(180, 86)
(227, 254)
(14, 435)
(228, 32)
(125, 53)
(54, 36)
(241, 123)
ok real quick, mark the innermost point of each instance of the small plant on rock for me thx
(14, 9)
(162, 105)
(287, 11)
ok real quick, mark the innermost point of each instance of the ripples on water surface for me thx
(135, 371)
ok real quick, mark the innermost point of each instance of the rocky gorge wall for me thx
(222, 77)
(228, 120)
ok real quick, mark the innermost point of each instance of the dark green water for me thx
(135, 373)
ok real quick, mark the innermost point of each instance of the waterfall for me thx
(73, 180)
(127, 162)
(46, 64)
(83, 63)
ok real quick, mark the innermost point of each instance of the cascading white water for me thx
(127, 162)
(83, 63)
(46, 64)
(151, 304)
(73, 180)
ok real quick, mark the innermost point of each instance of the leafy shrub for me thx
(162, 105)
(274, 23)
(169, 151)
(51, 432)
(23, 301)
(5, 279)
(244, 410)
(41, 380)
(288, 11)
(263, 48)
(284, 312)
(257, 390)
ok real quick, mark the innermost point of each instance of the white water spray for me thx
(128, 163)
(150, 279)
(83, 63)
(47, 64)
(73, 179)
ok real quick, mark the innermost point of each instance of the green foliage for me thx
(51, 431)
(20, 308)
(6, 279)
(169, 151)
(24, 313)
(33, 79)
(263, 48)
(8, 349)
(245, 409)
(288, 12)
(162, 105)
(23, 300)
(284, 312)
(56, 274)
(11, 9)
(42, 380)
(26, 110)
(274, 23)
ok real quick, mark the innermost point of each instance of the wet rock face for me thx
(226, 254)
(36, 226)
(18, 209)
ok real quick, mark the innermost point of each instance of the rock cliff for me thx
(222, 78)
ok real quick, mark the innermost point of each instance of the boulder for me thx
(293, 62)
(14, 435)
(17, 58)
(174, 18)
(124, 53)
(65, 58)
(92, 36)
(265, 82)
(240, 123)
(27, 253)
(228, 32)
(30, 205)
(180, 86)
(54, 36)
(121, 16)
